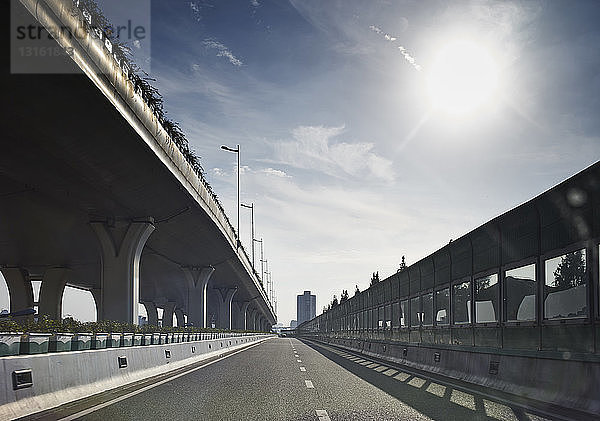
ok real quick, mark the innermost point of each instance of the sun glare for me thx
(462, 79)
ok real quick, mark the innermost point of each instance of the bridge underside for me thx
(71, 169)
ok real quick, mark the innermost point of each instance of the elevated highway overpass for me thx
(95, 194)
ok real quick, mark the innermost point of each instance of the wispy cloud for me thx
(276, 173)
(313, 148)
(218, 172)
(254, 3)
(222, 51)
(196, 8)
(407, 56)
(247, 170)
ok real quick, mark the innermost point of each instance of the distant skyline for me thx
(306, 306)
(373, 130)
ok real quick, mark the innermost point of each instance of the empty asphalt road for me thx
(286, 379)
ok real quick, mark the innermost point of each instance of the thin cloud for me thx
(222, 51)
(277, 173)
(196, 8)
(407, 56)
(246, 170)
(313, 148)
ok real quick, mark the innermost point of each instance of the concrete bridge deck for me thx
(94, 195)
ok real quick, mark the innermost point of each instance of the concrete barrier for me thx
(568, 384)
(58, 378)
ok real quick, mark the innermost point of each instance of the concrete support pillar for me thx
(121, 269)
(252, 320)
(197, 281)
(242, 315)
(51, 292)
(235, 315)
(97, 294)
(168, 310)
(19, 288)
(180, 317)
(152, 312)
(225, 298)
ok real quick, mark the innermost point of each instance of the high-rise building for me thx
(306, 307)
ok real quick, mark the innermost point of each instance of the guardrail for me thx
(542, 382)
(34, 383)
(40, 343)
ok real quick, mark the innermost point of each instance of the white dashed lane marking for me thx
(302, 368)
(322, 414)
(309, 384)
(299, 361)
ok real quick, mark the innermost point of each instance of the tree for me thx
(344, 296)
(356, 290)
(374, 278)
(402, 265)
(570, 271)
(481, 285)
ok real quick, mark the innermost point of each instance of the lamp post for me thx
(251, 207)
(272, 292)
(267, 276)
(262, 270)
(237, 151)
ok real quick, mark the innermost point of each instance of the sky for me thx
(374, 130)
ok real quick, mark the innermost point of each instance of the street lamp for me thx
(251, 207)
(262, 271)
(272, 292)
(237, 151)
(267, 277)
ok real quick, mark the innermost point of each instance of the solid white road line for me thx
(143, 389)
(323, 416)
(309, 384)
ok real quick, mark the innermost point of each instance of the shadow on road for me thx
(434, 400)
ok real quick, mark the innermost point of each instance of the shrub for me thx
(70, 325)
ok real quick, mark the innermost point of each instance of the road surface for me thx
(286, 379)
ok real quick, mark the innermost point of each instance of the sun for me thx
(463, 78)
